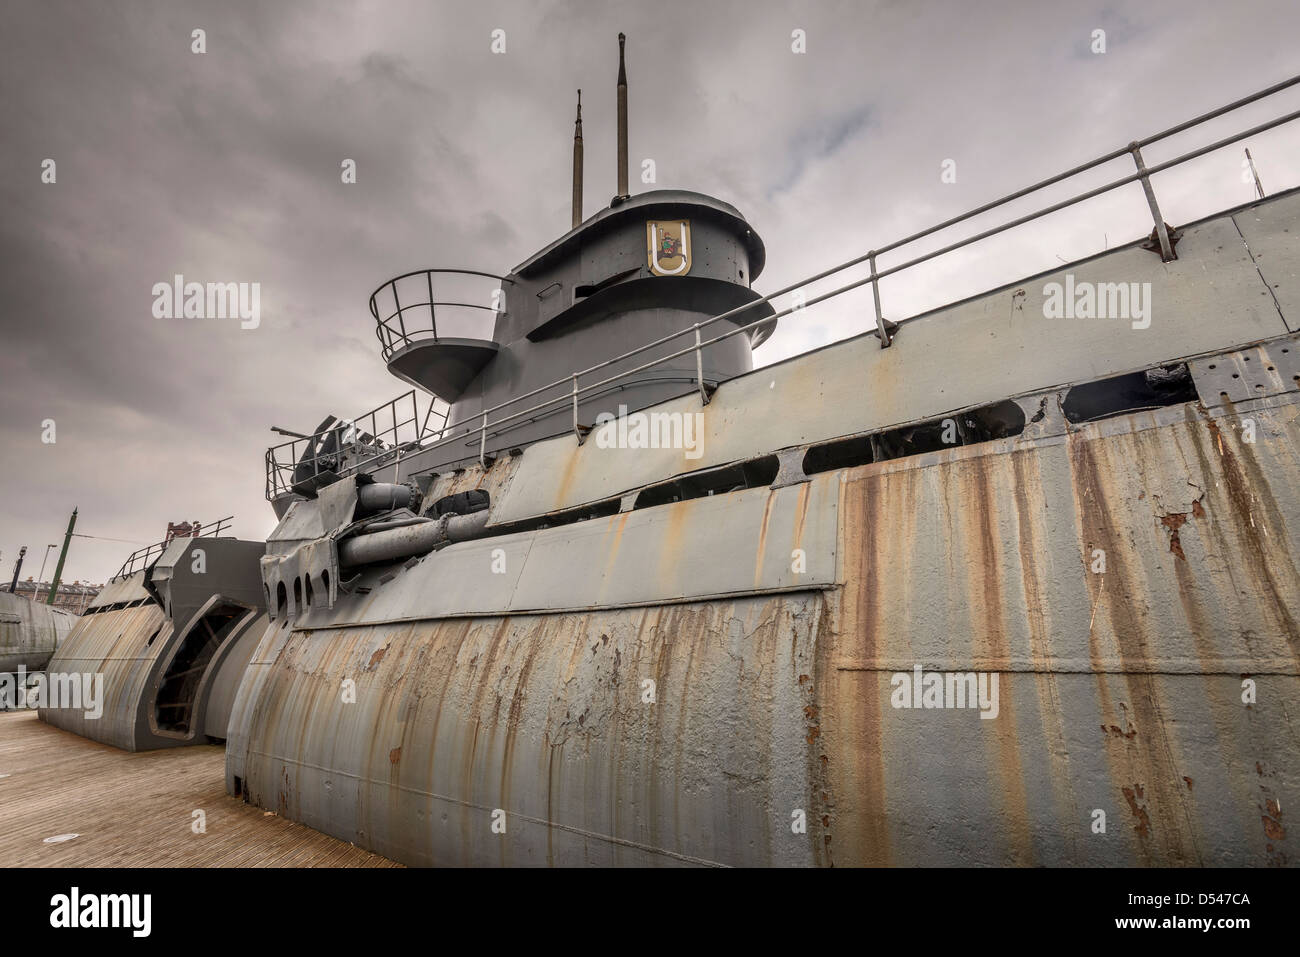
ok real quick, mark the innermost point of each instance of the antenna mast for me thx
(577, 166)
(622, 123)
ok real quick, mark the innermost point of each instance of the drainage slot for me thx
(841, 454)
(1000, 420)
(582, 513)
(756, 473)
(1136, 392)
(460, 503)
(997, 421)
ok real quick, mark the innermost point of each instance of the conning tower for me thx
(645, 268)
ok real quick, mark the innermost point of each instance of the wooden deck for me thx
(136, 810)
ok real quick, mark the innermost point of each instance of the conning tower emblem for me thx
(669, 246)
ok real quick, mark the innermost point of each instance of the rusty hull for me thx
(1121, 690)
(1121, 687)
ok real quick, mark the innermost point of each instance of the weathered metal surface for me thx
(29, 632)
(734, 544)
(982, 350)
(1269, 231)
(124, 589)
(121, 646)
(544, 718)
(718, 680)
(195, 645)
(1120, 690)
(1256, 372)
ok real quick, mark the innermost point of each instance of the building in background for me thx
(73, 596)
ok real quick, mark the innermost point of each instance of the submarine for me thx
(987, 585)
(29, 632)
(1011, 582)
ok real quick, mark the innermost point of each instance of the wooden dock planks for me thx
(136, 810)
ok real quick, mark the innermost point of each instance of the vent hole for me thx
(1135, 392)
(756, 473)
(461, 503)
(842, 454)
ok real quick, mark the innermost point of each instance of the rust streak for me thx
(1133, 795)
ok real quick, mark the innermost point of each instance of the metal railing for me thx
(884, 329)
(385, 432)
(141, 557)
(394, 331)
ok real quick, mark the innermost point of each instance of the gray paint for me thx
(549, 328)
(29, 632)
(520, 690)
(984, 349)
(132, 647)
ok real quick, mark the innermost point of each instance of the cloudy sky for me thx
(225, 166)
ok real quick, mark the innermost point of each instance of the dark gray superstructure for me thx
(589, 297)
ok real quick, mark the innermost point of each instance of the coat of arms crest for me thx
(669, 247)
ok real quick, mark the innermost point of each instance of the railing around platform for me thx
(142, 557)
(417, 319)
(383, 434)
(1162, 240)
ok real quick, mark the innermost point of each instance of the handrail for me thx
(141, 556)
(388, 335)
(884, 329)
(281, 467)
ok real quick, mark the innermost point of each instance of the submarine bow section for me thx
(30, 632)
(166, 645)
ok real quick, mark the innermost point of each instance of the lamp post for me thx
(41, 577)
(58, 569)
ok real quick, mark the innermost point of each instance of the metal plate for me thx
(1251, 373)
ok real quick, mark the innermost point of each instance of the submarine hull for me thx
(769, 732)
(30, 633)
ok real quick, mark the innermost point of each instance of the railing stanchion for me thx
(699, 368)
(577, 430)
(885, 340)
(433, 315)
(1167, 253)
(401, 320)
(884, 328)
(427, 412)
(482, 443)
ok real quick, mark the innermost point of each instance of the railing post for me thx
(401, 320)
(1162, 232)
(699, 368)
(482, 443)
(885, 339)
(577, 429)
(433, 315)
(427, 412)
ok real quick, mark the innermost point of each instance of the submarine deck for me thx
(136, 810)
